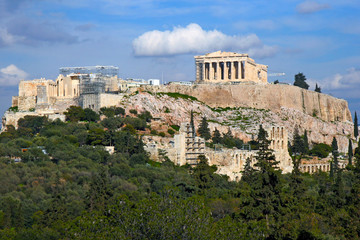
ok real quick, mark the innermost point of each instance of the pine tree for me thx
(317, 88)
(300, 81)
(356, 127)
(350, 152)
(265, 157)
(192, 125)
(204, 130)
(216, 137)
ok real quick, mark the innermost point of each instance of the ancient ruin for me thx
(221, 67)
(187, 147)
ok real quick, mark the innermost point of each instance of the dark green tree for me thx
(267, 184)
(99, 192)
(35, 123)
(107, 111)
(204, 130)
(216, 137)
(203, 173)
(335, 154)
(300, 81)
(74, 114)
(350, 152)
(90, 115)
(356, 127)
(317, 88)
(298, 146)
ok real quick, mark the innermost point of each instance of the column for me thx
(203, 72)
(197, 71)
(211, 71)
(217, 75)
(226, 72)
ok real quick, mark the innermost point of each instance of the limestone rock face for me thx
(266, 96)
(243, 121)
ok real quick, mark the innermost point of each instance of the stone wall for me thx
(265, 96)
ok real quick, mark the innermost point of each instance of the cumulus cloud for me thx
(349, 80)
(193, 39)
(11, 75)
(311, 7)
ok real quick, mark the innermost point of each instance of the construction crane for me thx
(276, 74)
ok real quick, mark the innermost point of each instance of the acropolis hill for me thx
(223, 79)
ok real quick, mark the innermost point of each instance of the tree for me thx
(276, 82)
(204, 130)
(317, 88)
(266, 185)
(350, 152)
(74, 114)
(203, 173)
(216, 137)
(298, 145)
(335, 153)
(356, 127)
(300, 81)
(35, 123)
(107, 111)
(91, 115)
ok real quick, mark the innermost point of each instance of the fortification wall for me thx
(265, 96)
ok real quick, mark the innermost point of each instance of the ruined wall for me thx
(265, 96)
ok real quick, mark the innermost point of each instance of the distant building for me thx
(221, 67)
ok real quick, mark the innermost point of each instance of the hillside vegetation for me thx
(66, 186)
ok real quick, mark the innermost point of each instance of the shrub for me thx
(133, 111)
(170, 131)
(321, 150)
(162, 134)
(153, 132)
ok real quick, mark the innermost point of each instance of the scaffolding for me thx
(91, 86)
(108, 71)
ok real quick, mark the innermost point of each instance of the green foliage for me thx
(74, 114)
(321, 150)
(204, 130)
(175, 127)
(90, 115)
(170, 131)
(161, 134)
(350, 152)
(34, 123)
(317, 88)
(300, 81)
(74, 189)
(178, 95)
(216, 137)
(133, 111)
(146, 115)
(356, 127)
(13, 109)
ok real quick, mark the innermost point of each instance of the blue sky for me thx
(151, 38)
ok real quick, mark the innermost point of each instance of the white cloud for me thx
(193, 39)
(11, 75)
(349, 80)
(311, 7)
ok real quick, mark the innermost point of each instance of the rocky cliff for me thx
(266, 96)
(243, 121)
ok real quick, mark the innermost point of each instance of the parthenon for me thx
(220, 67)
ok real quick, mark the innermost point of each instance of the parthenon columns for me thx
(220, 70)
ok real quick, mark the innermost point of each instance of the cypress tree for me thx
(204, 130)
(317, 88)
(216, 137)
(356, 127)
(350, 152)
(335, 153)
(298, 145)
